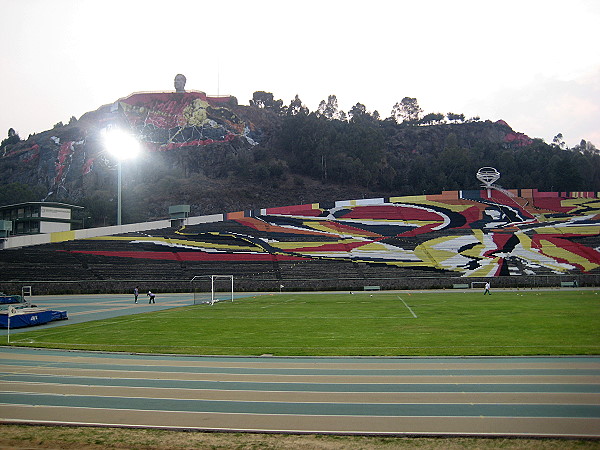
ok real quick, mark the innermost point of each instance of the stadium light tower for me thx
(122, 146)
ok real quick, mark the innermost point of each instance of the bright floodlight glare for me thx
(121, 145)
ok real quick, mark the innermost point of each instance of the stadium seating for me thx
(424, 241)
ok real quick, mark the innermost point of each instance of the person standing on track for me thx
(136, 292)
(151, 295)
(487, 288)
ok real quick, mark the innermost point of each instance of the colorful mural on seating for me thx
(464, 233)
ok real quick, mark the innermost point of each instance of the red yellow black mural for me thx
(465, 233)
(165, 121)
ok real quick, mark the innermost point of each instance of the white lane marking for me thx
(408, 307)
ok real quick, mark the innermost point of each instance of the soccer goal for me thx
(209, 289)
(478, 284)
(26, 295)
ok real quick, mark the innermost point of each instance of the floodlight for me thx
(120, 144)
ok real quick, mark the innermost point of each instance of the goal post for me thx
(26, 294)
(209, 289)
(478, 284)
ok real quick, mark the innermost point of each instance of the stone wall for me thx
(324, 284)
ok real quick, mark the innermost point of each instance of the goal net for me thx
(210, 289)
(478, 284)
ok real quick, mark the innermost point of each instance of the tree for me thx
(396, 114)
(432, 118)
(456, 117)
(265, 100)
(563, 173)
(357, 112)
(19, 192)
(321, 109)
(297, 107)
(99, 207)
(13, 138)
(585, 147)
(408, 110)
(559, 142)
(329, 110)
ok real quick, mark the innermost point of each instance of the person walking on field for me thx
(487, 288)
(136, 292)
(151, 295)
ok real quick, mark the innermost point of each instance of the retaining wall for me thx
(324, 284)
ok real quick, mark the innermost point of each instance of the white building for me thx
(38, 217)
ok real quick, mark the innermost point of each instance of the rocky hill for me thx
(219, 156)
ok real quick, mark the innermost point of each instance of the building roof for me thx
(50, 204)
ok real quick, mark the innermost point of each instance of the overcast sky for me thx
(533, 63)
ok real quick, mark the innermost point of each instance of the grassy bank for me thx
(33, 437)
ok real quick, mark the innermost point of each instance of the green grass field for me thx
(326, 324)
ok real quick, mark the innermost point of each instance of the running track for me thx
(539, 396)
(417, 396)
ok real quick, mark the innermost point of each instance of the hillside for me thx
(219, 156)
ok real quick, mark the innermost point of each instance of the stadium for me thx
(325, 264)
(360, 317)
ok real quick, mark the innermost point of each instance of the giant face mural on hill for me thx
(465, 233)
(160, 120)
(165, 121)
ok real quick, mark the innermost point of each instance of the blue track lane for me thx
(294, 408)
